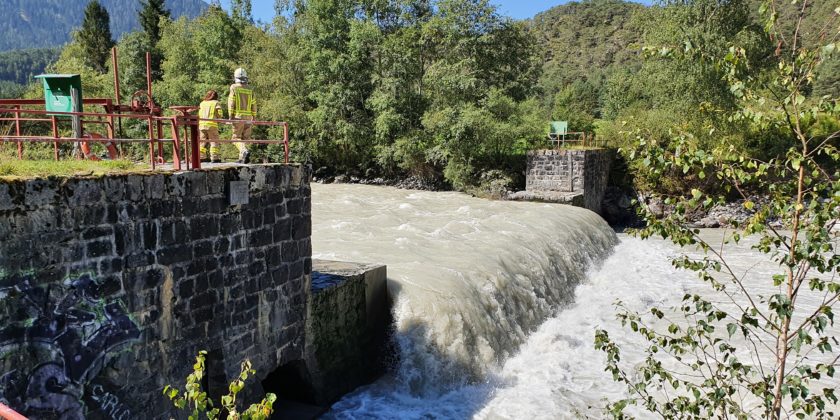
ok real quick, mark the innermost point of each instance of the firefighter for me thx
(241, 106)
(209, 130)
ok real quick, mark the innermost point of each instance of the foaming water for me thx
(556, 373)
(472, 278)
(498, 302)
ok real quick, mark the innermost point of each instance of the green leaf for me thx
(731, 328)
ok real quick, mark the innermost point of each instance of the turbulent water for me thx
(497, 302)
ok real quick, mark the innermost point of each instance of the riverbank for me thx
(619, 207)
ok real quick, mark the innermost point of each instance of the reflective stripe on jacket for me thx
(209, 110)
(241, 102)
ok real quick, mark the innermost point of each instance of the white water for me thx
(497, 301)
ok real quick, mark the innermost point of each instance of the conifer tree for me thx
(150, 15)
(95, 36)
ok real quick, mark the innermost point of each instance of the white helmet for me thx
(240, 74)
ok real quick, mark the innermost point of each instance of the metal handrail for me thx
(7, 413)
(189, 122)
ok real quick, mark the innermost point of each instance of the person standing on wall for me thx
(209, 130)
(242, 107)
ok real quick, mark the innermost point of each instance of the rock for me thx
(617, 208)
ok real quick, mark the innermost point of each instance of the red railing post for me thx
(286, 141)
(176, 145)
(159, 143)
(55, 135)
(7, 413)
(151, 141)
(17, 132)
(196, 148)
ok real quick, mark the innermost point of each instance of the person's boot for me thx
(245, 157)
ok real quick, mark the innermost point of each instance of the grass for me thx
(10, 167)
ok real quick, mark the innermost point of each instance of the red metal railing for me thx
(8, 414)
(188, 142)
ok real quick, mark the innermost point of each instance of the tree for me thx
(241, 11)
(150, 16)
(95, 36)
(577, 103)
(747, 349)
(199, 55)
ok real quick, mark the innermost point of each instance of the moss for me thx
(13, 168)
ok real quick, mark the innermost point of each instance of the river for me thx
(497, 302)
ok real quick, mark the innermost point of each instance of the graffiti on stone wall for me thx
(64, 342)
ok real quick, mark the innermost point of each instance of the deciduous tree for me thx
(750, 346)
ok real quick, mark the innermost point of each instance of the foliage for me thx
(577, 103)
(449, 89)
(20, 66)
(73, 60)
(150, 16)
(95, 36)
(50, 23)
(11, 89)
(197, 403)
(241, 11)
(587, 41)
(199, 55)
(371, 87)
(745, 349)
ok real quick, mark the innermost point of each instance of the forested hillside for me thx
(49, 23)
(19, 66)
(586, 42)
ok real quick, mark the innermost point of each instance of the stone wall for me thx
(577, 177)
(109, 286)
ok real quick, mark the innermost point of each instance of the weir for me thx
(471, 278)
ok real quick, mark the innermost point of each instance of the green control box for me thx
(62, 92)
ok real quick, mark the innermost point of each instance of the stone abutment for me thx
(109, 287)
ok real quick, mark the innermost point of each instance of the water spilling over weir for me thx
(472, 278)
(498, 303)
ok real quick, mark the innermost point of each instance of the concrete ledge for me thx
(570, 198)
(347, 327)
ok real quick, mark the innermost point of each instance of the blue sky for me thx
(518, 9)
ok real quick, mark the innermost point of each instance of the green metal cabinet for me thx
(62, 92)
(558, 128)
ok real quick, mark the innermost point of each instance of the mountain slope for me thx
(49, 23)
(584, 41)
